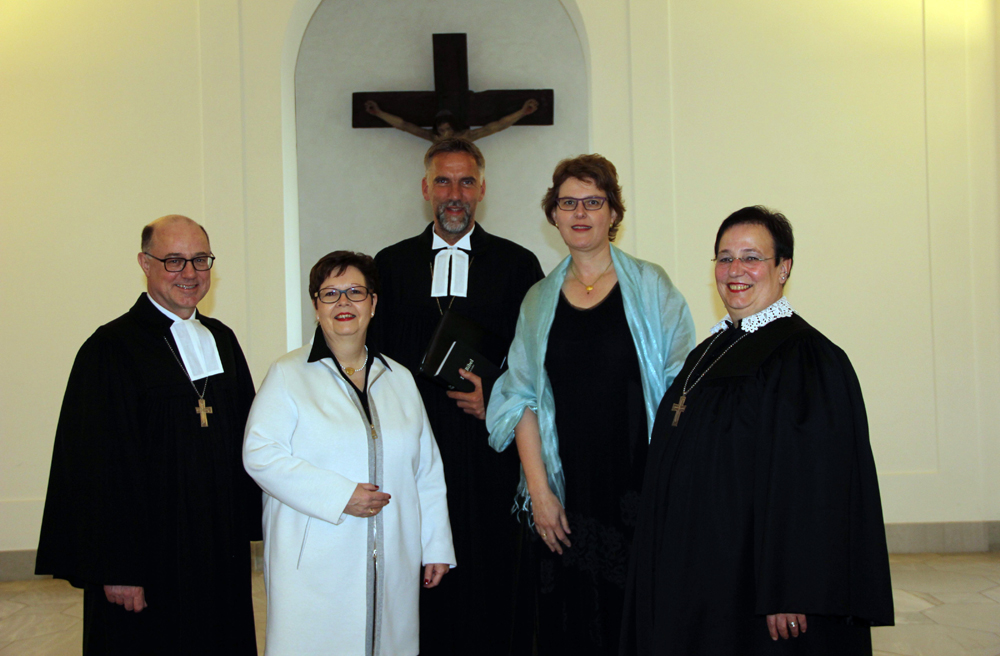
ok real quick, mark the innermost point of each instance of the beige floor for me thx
(45, 617)
(946, 605)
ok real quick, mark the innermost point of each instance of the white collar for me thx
(168, 313)
(451, 257)
(195, 342)
(777, 310)
(465, 242)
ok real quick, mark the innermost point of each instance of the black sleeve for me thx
(524, 275)
(250, 493)
(539, 274)
(95, 521)
(383, 310)
(819, 537)
(534, 273)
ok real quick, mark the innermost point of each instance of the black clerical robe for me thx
(140, 494)
(472, 608)
(762, 500)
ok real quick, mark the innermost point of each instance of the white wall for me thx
(100, 115)
(872, 125)
(862, 123)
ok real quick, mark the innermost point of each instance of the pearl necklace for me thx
(350, 371)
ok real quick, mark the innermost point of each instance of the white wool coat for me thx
(339, 584)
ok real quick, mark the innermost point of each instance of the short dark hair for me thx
(593, 168)
(338, 261)
(455, 145)
(147, 235)
(775, 222)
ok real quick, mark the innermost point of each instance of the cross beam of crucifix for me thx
(452, 93)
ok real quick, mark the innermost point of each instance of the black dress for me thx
(592, 364)
(763, 499)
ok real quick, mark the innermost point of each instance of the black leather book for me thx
(459, 343)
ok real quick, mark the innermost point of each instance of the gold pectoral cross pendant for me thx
(678, 408)
(205, 410)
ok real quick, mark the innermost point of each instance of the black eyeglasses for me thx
(177, 264)
(591, 203)
(332, 294)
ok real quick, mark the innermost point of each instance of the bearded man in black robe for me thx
(148, 508)
(489, 276)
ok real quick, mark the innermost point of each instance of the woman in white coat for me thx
(355, 515)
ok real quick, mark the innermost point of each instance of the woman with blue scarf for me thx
(598, 343)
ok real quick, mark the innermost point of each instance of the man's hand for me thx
(132, 597)
(471, 402)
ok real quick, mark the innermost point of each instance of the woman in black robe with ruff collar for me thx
(760, 528)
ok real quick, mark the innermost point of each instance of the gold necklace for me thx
(589, 287)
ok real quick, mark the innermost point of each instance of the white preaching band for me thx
(458, 259)
(195, 343)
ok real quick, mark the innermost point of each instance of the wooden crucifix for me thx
(452, 107)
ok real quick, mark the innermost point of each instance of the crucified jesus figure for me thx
(447, 126)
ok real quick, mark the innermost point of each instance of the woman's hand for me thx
(366, 501)
(550, 520)
(132, 597)
(786, 623)
(433, 573)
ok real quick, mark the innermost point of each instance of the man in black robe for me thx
(472, 610)
(148, 508)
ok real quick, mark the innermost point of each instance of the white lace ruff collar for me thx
(777, 310)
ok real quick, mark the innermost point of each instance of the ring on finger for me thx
(371, 510)
(792, 624)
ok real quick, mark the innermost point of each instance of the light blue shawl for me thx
(661, 326)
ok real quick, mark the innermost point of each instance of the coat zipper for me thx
(375, 554)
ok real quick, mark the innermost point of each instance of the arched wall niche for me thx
(359, 189)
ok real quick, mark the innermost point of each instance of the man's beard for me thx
(451, 225)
